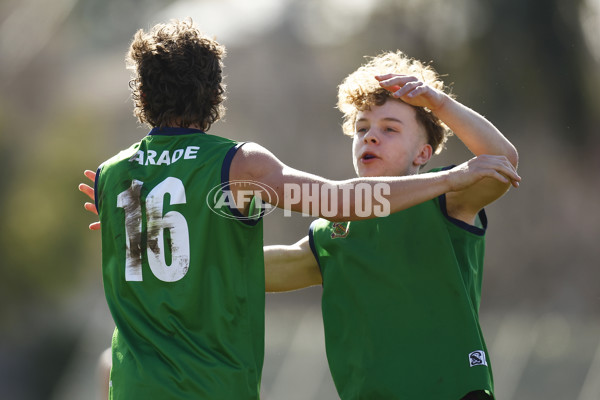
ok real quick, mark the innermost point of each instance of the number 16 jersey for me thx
(183, 271)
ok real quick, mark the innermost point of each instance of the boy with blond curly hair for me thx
(401, 293)
(185, 284)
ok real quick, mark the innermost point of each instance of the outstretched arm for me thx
(476, 132)
(290, 267)
(359, 198)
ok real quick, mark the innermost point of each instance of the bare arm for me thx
(481, 137)
(384, 195)
(290, 267)
(476, 132)
(253, 163)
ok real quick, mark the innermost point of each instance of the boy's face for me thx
(388, 141)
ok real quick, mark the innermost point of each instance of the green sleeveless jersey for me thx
(400, 304)
(184, 281)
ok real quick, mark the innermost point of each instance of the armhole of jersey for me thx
(461, 224)
(225, 186)
(311, 242)
(96, 202)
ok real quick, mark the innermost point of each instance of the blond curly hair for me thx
(177, 77)
(360, 91)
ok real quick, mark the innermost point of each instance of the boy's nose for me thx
(371, 137)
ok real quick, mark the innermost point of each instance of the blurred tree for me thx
(534, 54)
(41, 239)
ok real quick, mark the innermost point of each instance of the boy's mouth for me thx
(368, 156)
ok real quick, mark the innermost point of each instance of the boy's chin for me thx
(369, 173)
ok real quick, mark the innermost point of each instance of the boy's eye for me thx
(390, 129)
(361, 130)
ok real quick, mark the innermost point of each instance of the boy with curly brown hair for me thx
(184, 278)
(401, 294)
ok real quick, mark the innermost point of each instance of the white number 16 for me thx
(156, 223)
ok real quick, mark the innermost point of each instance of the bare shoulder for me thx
(251, 161)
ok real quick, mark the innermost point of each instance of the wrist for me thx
(442, 105)
(447, 183)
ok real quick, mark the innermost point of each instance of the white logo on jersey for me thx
(477, 357)
(221, 198)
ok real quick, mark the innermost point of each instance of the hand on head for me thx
(411, 90)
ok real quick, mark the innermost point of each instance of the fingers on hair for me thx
(360, 90)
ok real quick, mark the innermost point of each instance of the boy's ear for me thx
(424, 155)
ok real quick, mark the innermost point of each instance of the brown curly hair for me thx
(177, 76)
(360, 91)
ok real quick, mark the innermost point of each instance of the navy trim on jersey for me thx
(311, 242)
(173, 131)
(462, 224)
(225, 186)
(96, 188)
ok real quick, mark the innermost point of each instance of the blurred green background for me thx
(530, 66)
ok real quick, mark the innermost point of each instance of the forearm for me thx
(363, 198)
(381, 196)
(475, 131)
(290, 267)
(358, 198)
